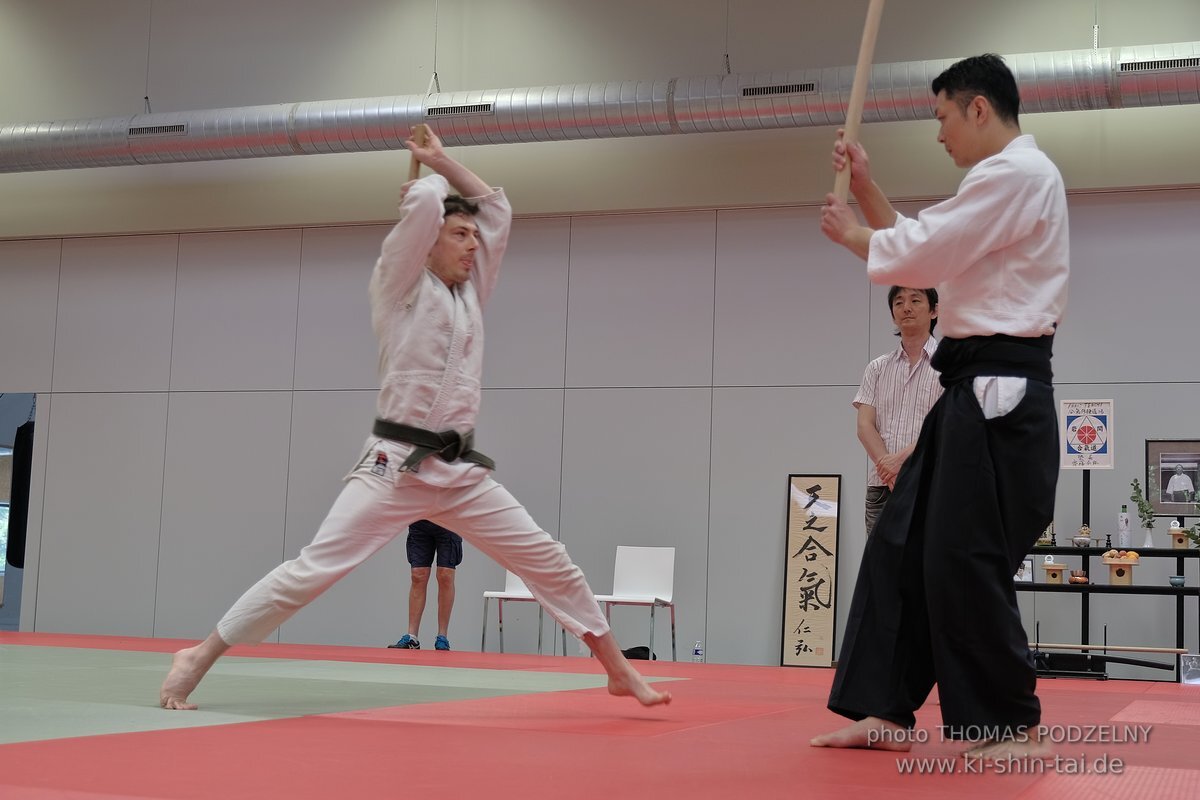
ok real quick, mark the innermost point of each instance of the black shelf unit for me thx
(1085, 590)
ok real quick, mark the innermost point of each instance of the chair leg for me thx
(541, 614)
(651, 630)
(483, 644)
(500, 621)
(674, 655)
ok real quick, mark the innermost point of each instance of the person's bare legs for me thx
(445, 582)
(623, 679)
(188, 667)
(416, 599)
(870, 733)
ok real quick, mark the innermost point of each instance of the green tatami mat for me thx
(56, 692)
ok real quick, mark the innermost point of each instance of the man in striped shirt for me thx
(897, 391)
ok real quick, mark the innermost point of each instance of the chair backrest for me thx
(513, 584)
(644, 571)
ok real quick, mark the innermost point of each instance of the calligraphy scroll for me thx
(810, 577)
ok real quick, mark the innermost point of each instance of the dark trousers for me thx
(934, 602)
(877, 497)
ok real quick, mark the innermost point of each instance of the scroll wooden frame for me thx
(810, 571)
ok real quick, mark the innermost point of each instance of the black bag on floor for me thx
(640, 653)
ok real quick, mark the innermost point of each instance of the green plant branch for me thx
(1144, 509)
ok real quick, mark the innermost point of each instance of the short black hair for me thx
(930, 297)
(986, 75)
(455, 204)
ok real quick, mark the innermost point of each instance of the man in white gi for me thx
(436, 271)
(934, 601)
(1180, 488)
(896, 393)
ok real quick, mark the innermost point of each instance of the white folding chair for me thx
(516, 591)
(643, 576)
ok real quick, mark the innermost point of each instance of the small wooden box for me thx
(1179, 539)
(1120, 571)
(1054, 572)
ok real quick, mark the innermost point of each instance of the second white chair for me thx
(643, 576)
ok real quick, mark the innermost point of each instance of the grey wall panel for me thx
(526, 318)
(523, 430)
(116, 307)
(790, 304)
(235, 311)
(1132, 309)
(879, 317)
(636, 472)
(367, 607)
(879, 321)
(760, 436)
(640, 311)
(223, 498)
(28, 305)
(100, 523)
(335, 347)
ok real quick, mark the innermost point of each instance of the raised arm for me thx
(434, 156)
(838, 221)
(876, 208)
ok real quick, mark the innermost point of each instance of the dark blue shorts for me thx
(425, 539)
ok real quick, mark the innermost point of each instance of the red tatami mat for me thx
(731, 732)
(584, 712)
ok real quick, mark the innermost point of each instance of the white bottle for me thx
(1123, 539)
(698, 652)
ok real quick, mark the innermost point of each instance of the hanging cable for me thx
(728, 68)
(434, 83)
(149, 31)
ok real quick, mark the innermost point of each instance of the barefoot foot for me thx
(871, 733)
(1028, 747)
(635, 686)
(185, 673)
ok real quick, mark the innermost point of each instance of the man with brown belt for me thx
(436, 271)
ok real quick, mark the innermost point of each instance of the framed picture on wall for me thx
(1189, 668)
(1173, 476)
(810, 573)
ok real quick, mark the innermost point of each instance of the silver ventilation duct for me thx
(1068, 80)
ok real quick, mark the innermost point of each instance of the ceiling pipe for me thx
(1068, 80)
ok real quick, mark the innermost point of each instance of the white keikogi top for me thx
(997, 251)
(901, 394)
(431, 336)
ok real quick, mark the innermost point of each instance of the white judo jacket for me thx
(431, 336)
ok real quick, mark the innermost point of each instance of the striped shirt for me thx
(901, 394)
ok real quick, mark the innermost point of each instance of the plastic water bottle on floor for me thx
(698, 652)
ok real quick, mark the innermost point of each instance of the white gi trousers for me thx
(373, 509)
